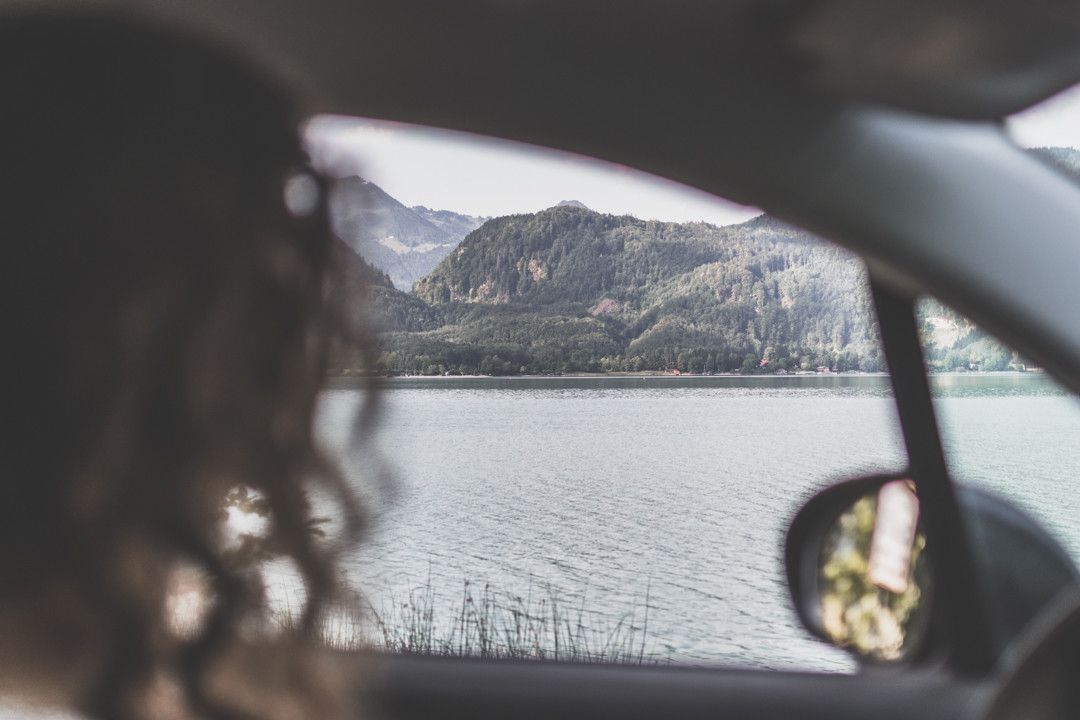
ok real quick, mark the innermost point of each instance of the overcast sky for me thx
(1051, 123)
(479, 176)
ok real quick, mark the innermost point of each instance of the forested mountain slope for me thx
(568, 289)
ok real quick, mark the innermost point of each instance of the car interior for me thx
(879, 127)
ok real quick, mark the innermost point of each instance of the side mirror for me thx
(859, 569)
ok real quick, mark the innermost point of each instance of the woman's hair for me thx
(169, 304)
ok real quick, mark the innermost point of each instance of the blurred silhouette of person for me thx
(170, 302)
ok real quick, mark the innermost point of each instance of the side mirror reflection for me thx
(872, 576)
(858, 568)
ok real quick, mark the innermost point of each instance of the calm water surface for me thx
(605, 489)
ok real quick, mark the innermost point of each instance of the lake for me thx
(607, 495)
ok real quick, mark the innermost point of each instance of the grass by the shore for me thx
(491, 623)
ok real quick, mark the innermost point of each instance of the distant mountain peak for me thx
(364, 190)
(405, 243)
(573, 203)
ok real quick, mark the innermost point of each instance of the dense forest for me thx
(569, 290)
(951, 342)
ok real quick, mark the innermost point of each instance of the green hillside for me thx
(571, 290)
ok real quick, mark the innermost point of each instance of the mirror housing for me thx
(857, 572)
(1020, 569)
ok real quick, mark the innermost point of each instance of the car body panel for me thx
(411, 687)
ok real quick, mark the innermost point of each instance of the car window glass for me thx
(1006, 425)
(605, 398)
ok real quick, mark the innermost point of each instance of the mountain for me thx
(569, 290)
(456, 225)
(380, 307)
(572, 203)
(402, 242)
(1064, 159)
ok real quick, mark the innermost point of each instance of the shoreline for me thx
(348, 379)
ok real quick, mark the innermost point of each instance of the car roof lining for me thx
(970, 59)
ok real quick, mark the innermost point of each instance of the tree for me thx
(956, 360)
(750, 365)
(996, 359)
